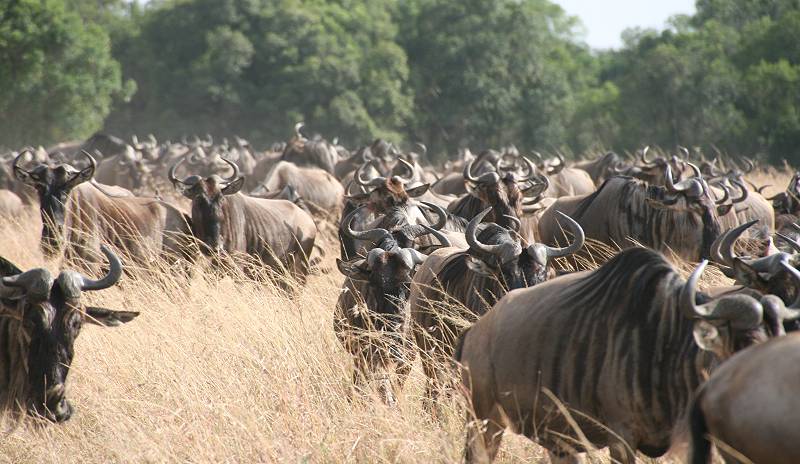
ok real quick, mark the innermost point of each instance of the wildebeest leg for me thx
(484, 436)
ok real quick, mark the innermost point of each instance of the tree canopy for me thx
(449, 73)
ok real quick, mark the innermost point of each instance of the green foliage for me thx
(257, 67)
(57, 78)
(449, 73)
(489, 73)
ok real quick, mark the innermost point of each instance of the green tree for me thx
(58, 78)
(490, 73)
(258, 66)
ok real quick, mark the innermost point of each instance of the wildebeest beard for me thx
(209, 228)
(52, 209)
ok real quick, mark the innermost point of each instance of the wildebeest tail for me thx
(699, 445)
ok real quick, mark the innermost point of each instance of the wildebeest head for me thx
(51, 315)
(207, 195)
(733, 322)
(499, 251)
(53, 185)
(774, 274)
(501, 190)
(148, 150)
(697, 199)
(388, 270)
(386, 192)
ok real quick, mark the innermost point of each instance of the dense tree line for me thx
(451, 73)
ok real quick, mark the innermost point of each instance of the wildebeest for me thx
(566, 181)
(503, 192)
(454, 285)
(772, 274)
(612, 355)
(40, 319)
(600, 168)
(277, 232)
(749, 405)
(81, 214)
(371, 318)
(316, 186)
(681, 217)
(128, 170)
(382, 194)
(310, 153)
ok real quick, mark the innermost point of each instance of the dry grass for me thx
(217, 370)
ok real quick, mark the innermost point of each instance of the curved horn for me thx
(669, 182)
(173, 169)
(725, 242)
(372, 235)
(742, 189)
(685, 152)
(726, 195)
(556, 168)
(36, 283)
(92, 162)
(576, 244)
(422, 148)
(468, 171)
(235, 168)
(297, 128)
(16, 168)
(472, 240)
(643, 156)
(410, 170)
(440, 212)
(687, 298)
(375, 182)
(749, 165)
(530, 168)
(113, 276)
(438, 234)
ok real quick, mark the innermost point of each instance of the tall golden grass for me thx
(225, 369)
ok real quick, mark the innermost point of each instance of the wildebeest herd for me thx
(550, 295)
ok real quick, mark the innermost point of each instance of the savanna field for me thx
(222, 369)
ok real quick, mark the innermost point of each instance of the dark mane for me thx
(635, 274)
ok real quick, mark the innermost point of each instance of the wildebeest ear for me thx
(418, 190)
(722, 210)
(746, 275)
(355, 269)
(234, 186)
(706, 335)
(108, 317)
(79, 178)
